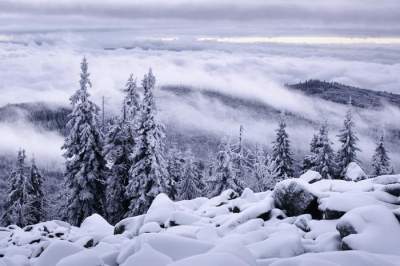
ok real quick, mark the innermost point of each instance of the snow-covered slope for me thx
(325, 222)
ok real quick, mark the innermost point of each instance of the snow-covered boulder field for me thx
(303, 221)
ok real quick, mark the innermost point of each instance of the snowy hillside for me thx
(303, 221)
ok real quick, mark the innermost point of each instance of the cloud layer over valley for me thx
(45, 67)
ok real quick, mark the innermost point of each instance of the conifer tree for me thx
(83, 151)
(191, 183)
(148, 176)
(309, 158)
(323, 160)
(241, 159)
(119, 144)
(34, 202)
(118, 147)
(14, 205)
(347, 152)
(314, 143)
(380, 160)
(176, 168)
(281, 154)
(263, 171)
(131, 108)
(224, 177)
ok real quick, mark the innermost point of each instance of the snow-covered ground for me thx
(304, 221)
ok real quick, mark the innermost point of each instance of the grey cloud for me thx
(339, 15)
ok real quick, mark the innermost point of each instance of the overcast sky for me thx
(302, 17)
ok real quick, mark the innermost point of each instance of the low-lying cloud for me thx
(43, 145)
(50, 72)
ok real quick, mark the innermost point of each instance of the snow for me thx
(97, 227)
(176, 247)
(147, 256)
(377, 230)
(55, 252)
(338, 258)
(347, 201)
(160, 210)
(246, 230)
(354, 172)
(278, 245)
(311, 176)
(81, 259)
(213, 259)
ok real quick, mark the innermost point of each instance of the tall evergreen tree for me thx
(314, 143)
(347, 152)
(148, 176)
(118, 147)
(263, 171)
(131, 108)
(323, 160)
(380, 160)
(34, 203)
(191, 184)
(14, 205)
(309, 158)
(176, 169)
(119, 144)
(85, 165)
(224, 177)
(242, 161)
(281, 154)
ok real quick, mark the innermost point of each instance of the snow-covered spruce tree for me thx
(191, 184)
(119, 143)
(347, 152)
(308, 159)
(242, 162)
(281, 154)
(176, 168)
(263, 171)
(118, 146)
(380, 160)
(131, 107)
(314, 143)
(14, 205)
(224, 175)
(324, 160)
(148, 176)
(83, 151)
(34, 208)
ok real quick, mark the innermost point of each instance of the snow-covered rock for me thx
(337, 204)
(147, 256)
(266, 228)
(311, 176)
(370, 228)
(278, 245)
(160, 210)
(260, 209)
(338, 258)
(295, 197)
(129, 227)
(55, 252)
(354, 172)
(82, 258)
(211, 259)
(97, 227)
(175, 247)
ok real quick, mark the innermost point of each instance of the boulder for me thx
(354, 172)
(371, 228)
(129, 227)
(294, 197)
(311, 176)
